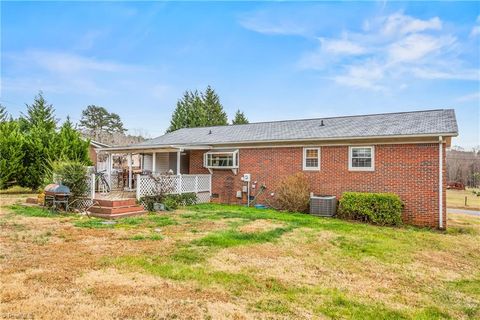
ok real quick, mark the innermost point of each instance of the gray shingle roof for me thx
(429, 122)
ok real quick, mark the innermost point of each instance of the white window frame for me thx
(350, 153)
(235, 161)
(305, 168)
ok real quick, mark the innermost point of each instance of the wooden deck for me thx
(115, 195)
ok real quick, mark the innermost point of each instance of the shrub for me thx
(293, 194)
(73, 175)
(376, 208)
(170, 201)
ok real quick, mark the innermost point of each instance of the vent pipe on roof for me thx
(321, 123)
(210, 132)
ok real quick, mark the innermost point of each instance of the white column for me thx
(92, 186)
(109, 168)
(154, 162)
(178, 161)
(130, 171)
(139, 181)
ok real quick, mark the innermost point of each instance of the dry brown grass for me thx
(53, 270)
(456, 199)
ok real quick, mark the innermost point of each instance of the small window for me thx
(221, 160)
(311, 159)
(361, 159)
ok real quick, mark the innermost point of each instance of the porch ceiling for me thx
(151, 149)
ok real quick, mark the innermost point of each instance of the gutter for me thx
(440, 182)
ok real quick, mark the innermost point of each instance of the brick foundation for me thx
(408, 170)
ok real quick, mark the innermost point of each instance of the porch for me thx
(135, 173)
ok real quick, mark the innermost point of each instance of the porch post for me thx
(154, 162)
(178, 162)
(109, 168)
(130, 171)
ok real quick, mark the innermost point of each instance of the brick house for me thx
(402, 153)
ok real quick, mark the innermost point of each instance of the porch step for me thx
(115, 203)
(117, 215)
(115, 210)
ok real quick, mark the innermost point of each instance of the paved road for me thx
(462, 211)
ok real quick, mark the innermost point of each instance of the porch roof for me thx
(153, 148)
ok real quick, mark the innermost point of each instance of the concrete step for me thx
(115, 203)
(117, 215)
(115, 210)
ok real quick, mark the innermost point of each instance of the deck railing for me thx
(149, 185)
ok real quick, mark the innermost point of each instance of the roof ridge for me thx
(319, 118)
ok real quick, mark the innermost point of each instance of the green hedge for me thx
(170, 201)
(376, 208)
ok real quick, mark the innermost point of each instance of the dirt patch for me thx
(260, 225)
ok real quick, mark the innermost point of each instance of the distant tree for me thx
(11, 152)
(239, 118)
(38, 126)
(40, 114)
(196, 109)
(98, 120)
(216, 116)
(70, 146)
(3, 114)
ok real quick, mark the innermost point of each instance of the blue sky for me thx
(272, 60)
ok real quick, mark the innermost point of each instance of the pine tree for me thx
(239, 118)
(97, 120)
(11, 153)
(70, 145)
(216, 116)
(3, 114)
(196, 109)
(38, 127)
(40, 114)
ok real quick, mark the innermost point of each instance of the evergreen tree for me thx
(216, 116)
(3, 114)
(239, 118)
(11, 153)
(98, 120)
(40, 114)
(69, 144)
(38, 126)
(196, 109)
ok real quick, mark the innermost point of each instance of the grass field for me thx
(456, 199)
(227, 262)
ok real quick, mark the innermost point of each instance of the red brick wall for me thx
(92, 154)
(409, 170)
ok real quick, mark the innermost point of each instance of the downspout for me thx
(440, 182)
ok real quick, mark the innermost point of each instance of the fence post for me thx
(139, 186)
(179, 184)
(196, 184)
(92, 186)
(210, 184)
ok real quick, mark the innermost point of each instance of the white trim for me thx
(235, 160)
(350, 168)
(440, 182)
(304, 160)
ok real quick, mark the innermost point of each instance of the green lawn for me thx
(219, 261)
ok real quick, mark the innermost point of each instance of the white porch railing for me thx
(149, 185)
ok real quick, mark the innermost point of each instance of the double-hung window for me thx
(361, 158)
(311, 159)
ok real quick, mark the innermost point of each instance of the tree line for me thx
(32, 143)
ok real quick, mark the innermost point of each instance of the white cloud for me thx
(264, 22)
(341, 46)
(400, 24)
(416, 46)
(392, 49)
(476, 29)
(363, 76)
(475, 96)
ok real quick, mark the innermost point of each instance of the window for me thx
(361, 159)
(311, 159)
(221, 160)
